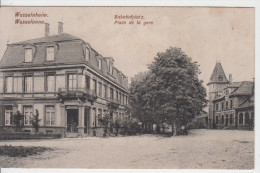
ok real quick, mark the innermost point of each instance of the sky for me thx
(205, 34)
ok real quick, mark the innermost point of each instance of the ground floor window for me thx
(9, 118)
(252, 115)
(50, 115)
(240, 118)
(104, 112)
(28, 114)
(222, 119)
(94, 121)
(247, 118)
(99, 115)
(216, 119)
(231, 119)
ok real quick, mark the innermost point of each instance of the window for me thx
(99, 89)
(247, 118)
(222, 106)
(123, 99)
(50, 83)
(9, 119)
(94, 120)
(111, 93)
(28, 55)
(222, 119)
(120, 100)
(117, 116)
(99, 115)
(226, 105)
(50, 53)
(240, 118)
(227, 92)
(104, 112)
(87, 54)
(231, 119)
(252, 115)
(105, 91)
(28, 114)
(220, 78)
(87, 82)
(95, 85)
(99, 63)
(9, 84)
(216, 106)
(111, 68)
(50, 115)
(72, 81)
(216, 119)
(231, 104)
(28, 84)
(126, 100)
(117, 97)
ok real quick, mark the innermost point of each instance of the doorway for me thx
(86, 119)
(226, 121)
(72, 120)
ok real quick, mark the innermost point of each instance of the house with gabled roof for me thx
(65, 79)
(226, 100)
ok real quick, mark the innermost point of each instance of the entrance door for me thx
(72, 120)
(86, 119)
(226, 123)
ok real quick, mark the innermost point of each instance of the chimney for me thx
(230, 78)
(47, 29)
(60, 28)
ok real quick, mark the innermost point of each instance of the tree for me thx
(35, 121)
(171, 91)
(17, 120)
(175, 87)
(104, 121)
(138, 99)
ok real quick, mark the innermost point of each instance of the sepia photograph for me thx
(127, 87)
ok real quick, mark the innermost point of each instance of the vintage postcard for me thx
(127, 87)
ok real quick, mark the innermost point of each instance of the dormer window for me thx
(50, 53)
(28, 55)
(87, 54)
(220, 78)
(227, 92)
(99, 63)
(111, 68)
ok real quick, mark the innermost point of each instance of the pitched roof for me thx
(234, 84)
(247, 103)
(246, 88)
(218, 75)
(67, 54)
(70, 50)
(53, 38)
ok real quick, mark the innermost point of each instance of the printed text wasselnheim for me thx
(20, 18)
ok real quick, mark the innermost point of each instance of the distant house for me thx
(231, 104)
(65, 79)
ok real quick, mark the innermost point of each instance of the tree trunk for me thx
(172, 128)
(175, 128)
(142, 129)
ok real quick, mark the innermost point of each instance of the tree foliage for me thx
(170, 91)
(35, 121)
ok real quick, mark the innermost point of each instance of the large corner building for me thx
(65, 79)
(231, 104)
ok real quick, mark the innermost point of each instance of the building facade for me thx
(65, 79)
(231, 104)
